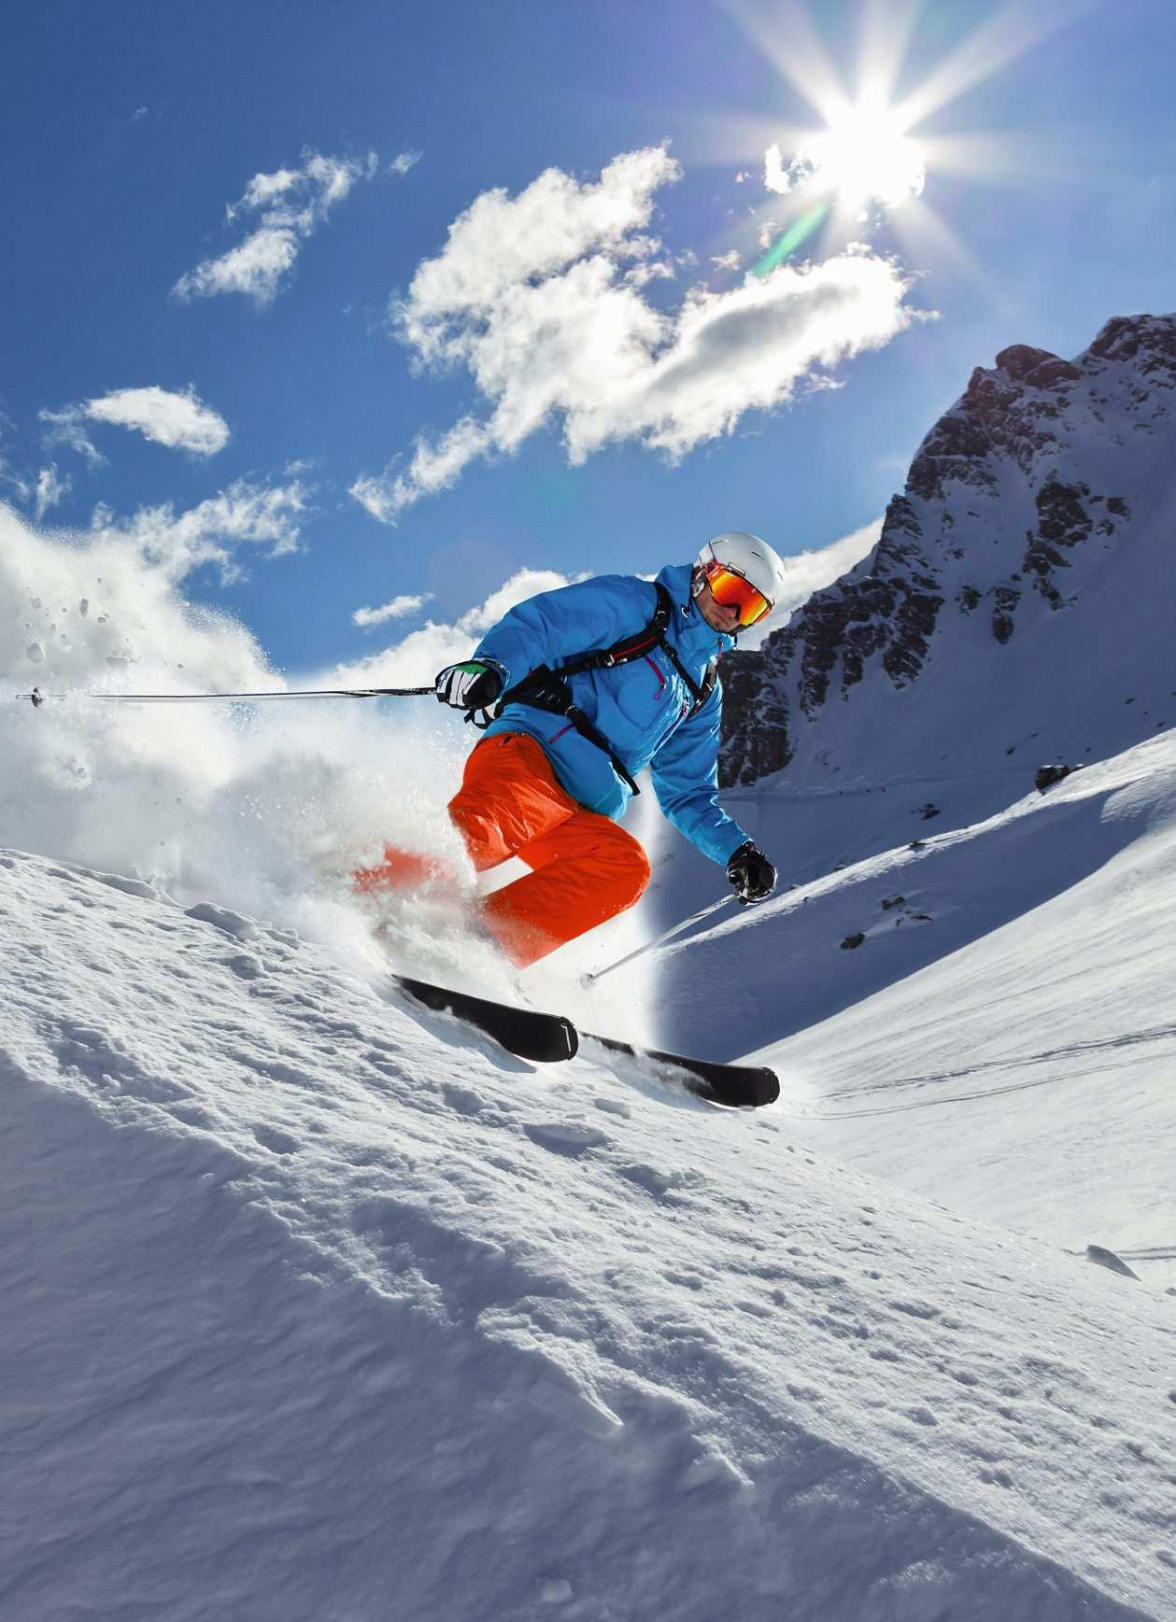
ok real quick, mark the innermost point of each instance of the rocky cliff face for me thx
(1016, 503)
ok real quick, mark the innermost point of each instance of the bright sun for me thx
(864, 157)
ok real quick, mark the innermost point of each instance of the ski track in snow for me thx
(320, 1307)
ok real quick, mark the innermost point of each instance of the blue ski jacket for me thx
(643, 708)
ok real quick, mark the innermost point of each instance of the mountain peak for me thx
(1019, 505)
(1020, 361)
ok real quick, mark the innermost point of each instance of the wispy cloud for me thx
(246, 514)
(290, 205)
(21, 485)
(397, 609)
(65, 428)
(51, 488)
(422, 653)
(179, 421)
(540, 298)
(403, 162)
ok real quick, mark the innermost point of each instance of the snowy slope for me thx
(319, 1309)
(1003, 1039)
(966, 983)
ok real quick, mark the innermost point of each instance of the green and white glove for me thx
(468, 686)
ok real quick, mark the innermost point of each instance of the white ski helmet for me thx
(748, 559)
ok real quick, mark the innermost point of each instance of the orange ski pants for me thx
(585, 868)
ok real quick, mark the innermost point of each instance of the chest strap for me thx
(547, 689)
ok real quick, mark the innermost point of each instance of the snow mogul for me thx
(578, 690)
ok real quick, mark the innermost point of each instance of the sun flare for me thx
(865, 160)
(864, 157)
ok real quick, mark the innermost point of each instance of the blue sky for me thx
(601, 407)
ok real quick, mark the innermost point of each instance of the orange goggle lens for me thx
(733, 591)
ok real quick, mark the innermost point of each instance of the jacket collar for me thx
(676, 577)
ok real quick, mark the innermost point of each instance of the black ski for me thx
(550, 1038)
(545, 1038)
(738, 1086)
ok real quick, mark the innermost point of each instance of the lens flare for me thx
(865, 157)
(865, 161)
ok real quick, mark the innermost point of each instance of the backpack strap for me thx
(547, 689)
(629, 647)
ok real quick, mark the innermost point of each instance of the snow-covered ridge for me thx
(316, 1307)
(1036, 528)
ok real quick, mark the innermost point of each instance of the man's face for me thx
(719, 616)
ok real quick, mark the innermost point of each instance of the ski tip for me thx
(742, 1088)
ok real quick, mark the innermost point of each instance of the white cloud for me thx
(292, 204)
(51, 488)
(255, 268)
(535, 296)
(416, 659)
(434, 467)
(263, 189)
(403, 162)
(180, 421)
(776, 177)
(397, 609)
(727, 261)
(245, 514)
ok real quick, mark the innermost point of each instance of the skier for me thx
(580, 688)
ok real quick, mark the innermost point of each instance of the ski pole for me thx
(662, 940)
(38, 697)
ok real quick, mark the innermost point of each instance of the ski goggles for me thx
(732, 590)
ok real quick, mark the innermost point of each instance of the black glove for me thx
(470, 686)
(751, 873)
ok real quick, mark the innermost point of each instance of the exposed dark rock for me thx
(756, 721)
(1149, 341)
(1048, 775)
(1063, 514)
(852, 942)
(1021, 360)
(1053, 372)
(995, 512)
(1005, 599)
